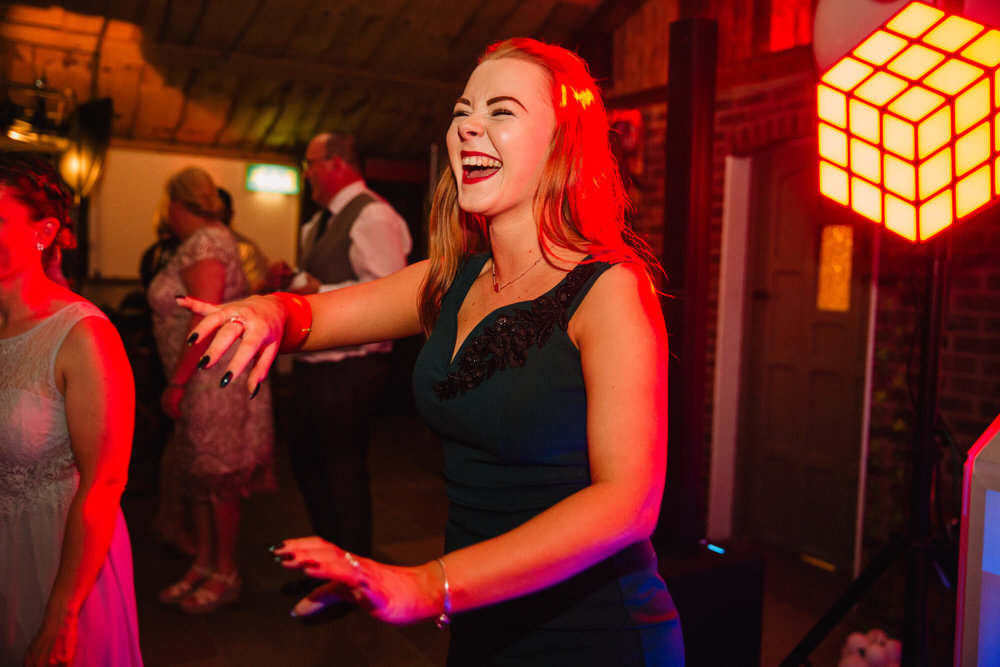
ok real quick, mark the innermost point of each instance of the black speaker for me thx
(720, 599)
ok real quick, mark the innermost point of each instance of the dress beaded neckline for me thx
(505, 343)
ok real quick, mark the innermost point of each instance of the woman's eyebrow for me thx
(505, 98)
(493, 100)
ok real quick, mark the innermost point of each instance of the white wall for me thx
(123, 208)
(729, 347)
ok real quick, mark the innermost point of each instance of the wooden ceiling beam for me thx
(241, 64)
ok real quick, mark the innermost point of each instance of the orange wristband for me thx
(298, 322)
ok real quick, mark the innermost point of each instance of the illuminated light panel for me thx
(910, 122)
(953, 33)
(272, 178)
(881, 87)
(972, 106)
(900, 177)
(833, 144)
(934, 174)
(972, 149)
(847, 73)
(832, 106)
(864, 120)
(866, 199)
(936, 214)
(985, 50)
(915, 61)
(952, 76)
(901, 217)
(866, 161)
(934, 132)
(880, 47)
(915, 19)
(899, 137)
(916, 103)
(833, 284)
(833, 183)
(973, 191)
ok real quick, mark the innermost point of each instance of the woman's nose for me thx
(469, 127)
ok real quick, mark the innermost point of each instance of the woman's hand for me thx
(397, 595)
(254, 325)
(55, 643)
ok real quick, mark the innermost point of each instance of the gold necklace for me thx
(497, 288)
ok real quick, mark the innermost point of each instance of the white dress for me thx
(38, 478)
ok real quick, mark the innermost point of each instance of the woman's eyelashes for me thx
(498, 111)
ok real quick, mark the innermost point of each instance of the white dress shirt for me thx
(380, 242)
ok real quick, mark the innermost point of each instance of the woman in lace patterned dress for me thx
(66, 410)
(222, 441)
(544, 375)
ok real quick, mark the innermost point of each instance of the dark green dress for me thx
(511, 412)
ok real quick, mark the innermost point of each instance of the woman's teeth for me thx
(481, 161)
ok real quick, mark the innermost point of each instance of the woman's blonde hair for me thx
(580, 202)
(193, 188)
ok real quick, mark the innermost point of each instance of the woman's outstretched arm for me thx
(623, 346)
(94, 375)
(373, 311)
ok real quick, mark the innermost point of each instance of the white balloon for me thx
(856, 641)
(876, 655)
(876, 636)
(984, 11)
(894, 648)
(840, 25)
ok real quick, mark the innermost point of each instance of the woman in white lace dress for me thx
(222, 441)
(66, 411)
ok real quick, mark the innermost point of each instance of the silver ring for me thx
(355, 565)
(238, 319)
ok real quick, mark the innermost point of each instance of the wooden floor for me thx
(409, 511)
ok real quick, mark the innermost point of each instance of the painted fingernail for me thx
(281, 558)
(192, 338)
(203, 361)
(255, 390)
(274, 547)
(306, 607)
(180, 296)
(226, 378)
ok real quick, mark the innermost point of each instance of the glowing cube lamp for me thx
(909, 134)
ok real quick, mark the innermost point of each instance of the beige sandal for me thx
(192, 579)
(204, 599)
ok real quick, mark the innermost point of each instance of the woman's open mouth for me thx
(478, 167)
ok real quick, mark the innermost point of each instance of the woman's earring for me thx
(40, 246)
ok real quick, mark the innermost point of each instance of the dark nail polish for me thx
(281, 558)
(274, 547)
(255, 390)
(203, 361)
(179, 296)
(226, 378)
(192, 338)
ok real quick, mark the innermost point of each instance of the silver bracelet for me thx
(445, 618)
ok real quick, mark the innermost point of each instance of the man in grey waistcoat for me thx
(355, 236)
